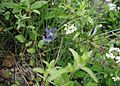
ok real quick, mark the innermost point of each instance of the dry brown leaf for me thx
(9, 60)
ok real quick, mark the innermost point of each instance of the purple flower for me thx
(49, 36)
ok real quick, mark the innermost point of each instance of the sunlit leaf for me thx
(36, 11)
(39, 70)
(89, 71)
(31, 50)
(20, 38)
(56, 73)
(85, 56)
(28, 44)
(41, 43)
(33, 34)
(76, 56)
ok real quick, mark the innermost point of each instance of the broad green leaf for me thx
(89, 71)
(56, 73)
(31, 50)
(76, 56)
(70, 67)
(32, 61)
(41, 43)
(20, 38)
(7, 15)
(38, 4)
(85, 56)
(28, 44)
(33, 34)
(39, 70)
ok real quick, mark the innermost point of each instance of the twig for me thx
(19, 69)
(59, 51)
(43, 77)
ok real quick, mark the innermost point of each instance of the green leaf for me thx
(56, 73)
(79, 74)
(27, 3)
(12, 5)
(49, 15)
(36, 11)
(70, 67)
(31, 50)
(89, 71)
(59, 13)
(76, 56)
(85, 56)
(91, 84)
(39, 70)
(20, 38)
(33, 34)
(38, 4)
(7, 15)
(9, 5)
(69, 83)
(28, 44)
(90, 20)
(41, 43)
(30, 27)
(32, 61)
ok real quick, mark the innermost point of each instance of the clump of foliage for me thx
(60, 42)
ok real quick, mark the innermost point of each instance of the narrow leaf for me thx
(89, 71)
(36, 11)
(75, 55)
(40, 70)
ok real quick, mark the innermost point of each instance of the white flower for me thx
(114, 49)
(112, 6)
(111, 74)
(116, 78)
(118, 8)
(111, 54)
(117, 58)
(108, 1)
(70, 28)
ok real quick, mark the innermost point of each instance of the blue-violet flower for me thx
(49, 36)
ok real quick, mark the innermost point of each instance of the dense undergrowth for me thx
(59, 43)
